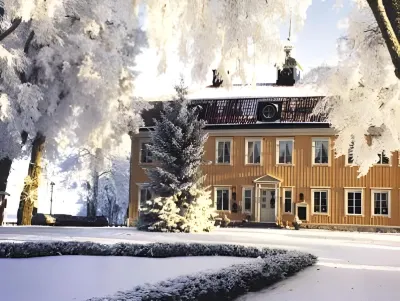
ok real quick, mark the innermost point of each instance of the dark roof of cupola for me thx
(249, 111)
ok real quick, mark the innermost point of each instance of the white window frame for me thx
(140, 187)
(246, 155)
(244, 188)
(389, 192)
(144, 141)
(217, 141)
(229, 197)
(327, 190)
(278, 140)
(314, 140)
(284, 189)
(346, 201)
(388, 164)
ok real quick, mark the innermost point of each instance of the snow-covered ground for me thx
(361, 266)
(67, 278)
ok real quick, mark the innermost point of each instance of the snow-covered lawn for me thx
(332, 284)
(68, 278)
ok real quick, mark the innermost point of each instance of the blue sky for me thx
(316, 43)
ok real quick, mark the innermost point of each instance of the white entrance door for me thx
(268, 203)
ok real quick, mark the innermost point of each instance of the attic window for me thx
(269, 112)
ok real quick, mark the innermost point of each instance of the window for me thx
(287, 200)
(354, 202)
(383, 159)
(350, 158)
(145, 154)
(144, 196)
(381, 200)
(247, 199)
(223, 151)
(321, 151)
(284, 151)
(320, 201)
(222, 197)
(253, 151)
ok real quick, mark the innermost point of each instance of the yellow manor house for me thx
(270, 159)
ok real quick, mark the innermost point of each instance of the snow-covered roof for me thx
(253, 91)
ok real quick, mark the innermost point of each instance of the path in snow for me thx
(333, 284)
(68, 278)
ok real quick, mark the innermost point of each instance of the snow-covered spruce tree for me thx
(180, 203)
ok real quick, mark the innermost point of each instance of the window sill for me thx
(223, 211)
(318, 213)
(223, 164)
(321, 164)
(380, 215)
(383, 165)
(351, 165)
(287, 213)
(360, 215)
(253, 164)
(284, 164)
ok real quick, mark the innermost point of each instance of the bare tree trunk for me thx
(29, 196)
(387, 15)
(96, 166)
(5, 167)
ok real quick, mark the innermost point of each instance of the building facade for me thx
(270, 159)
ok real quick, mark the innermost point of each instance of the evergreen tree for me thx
(177, 144)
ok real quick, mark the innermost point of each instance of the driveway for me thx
(361, 266)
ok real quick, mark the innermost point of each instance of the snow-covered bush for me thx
(177, 145)
(195, 215)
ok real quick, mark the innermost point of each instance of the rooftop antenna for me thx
(288, 48)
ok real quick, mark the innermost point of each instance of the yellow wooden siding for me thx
(303, 176)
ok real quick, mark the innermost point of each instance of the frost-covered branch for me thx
(14, 25)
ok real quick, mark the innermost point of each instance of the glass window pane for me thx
(324, 151)
(257, 152)
(282, 151)
(289, 148)
(250, 152)
(227, 152)
(288, 194)
(383, 196)
(220, 152)
(247, 193)
(288, 205)
(316, 197)
(357, 210)
(350, 210)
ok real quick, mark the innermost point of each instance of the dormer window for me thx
(269, 112)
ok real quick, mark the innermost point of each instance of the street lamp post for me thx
(51, 198)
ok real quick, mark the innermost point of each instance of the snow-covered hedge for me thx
(269, 266)
(154, 250)
(226, 284)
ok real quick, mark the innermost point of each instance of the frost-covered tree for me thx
(217, 34)
(65, 75)
(177, 145)
(363, 93)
